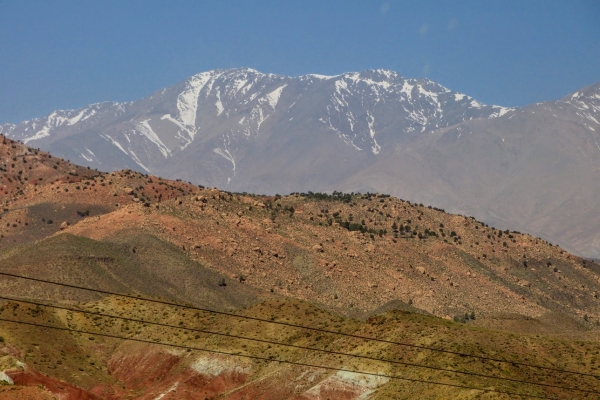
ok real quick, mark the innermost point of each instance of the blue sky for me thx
(66, 54)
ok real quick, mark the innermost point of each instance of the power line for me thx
(332, 352)
(296, 363)
(291, 325)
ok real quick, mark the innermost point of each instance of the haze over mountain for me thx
(533, 169)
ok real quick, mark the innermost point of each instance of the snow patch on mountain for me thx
(407, 89)
(114, 143)
(321, 77)
(500, 111)
(340, 86)
(370, 121)
(225, 154)
(352, 76)
(168, 117)
(53, 120)
(81, 116)
(187, 101)
(89, 158)
(273, 97)
(219, 104)
(258, 116)
(263, 108)
(433, 97)
(383, 84)
(138, 162)
(238, 84)
(474, 103)
(587, 104)
(418, 117)
(389, 74)
(43, 127)
(145, 129)
(414, 104)
(345, 137)
(6, 129)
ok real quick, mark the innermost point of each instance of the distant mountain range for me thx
(534, 169)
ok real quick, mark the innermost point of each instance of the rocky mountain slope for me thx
(353, 253)
(403, 269)
(533, 169)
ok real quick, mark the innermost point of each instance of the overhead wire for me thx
(315, 349)
(288, 324)
(296, 363)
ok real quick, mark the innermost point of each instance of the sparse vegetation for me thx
(236, 250)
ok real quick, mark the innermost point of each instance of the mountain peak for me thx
(236, 103)
(587, 103)
(590, 92)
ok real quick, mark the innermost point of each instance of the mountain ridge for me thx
(241, 81)
(241, 130)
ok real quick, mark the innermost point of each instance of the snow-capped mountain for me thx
(534, 168)
(225, 110)
(587, 103)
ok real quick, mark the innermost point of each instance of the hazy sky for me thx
(67, 54)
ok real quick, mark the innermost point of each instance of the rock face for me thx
(533, 169)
